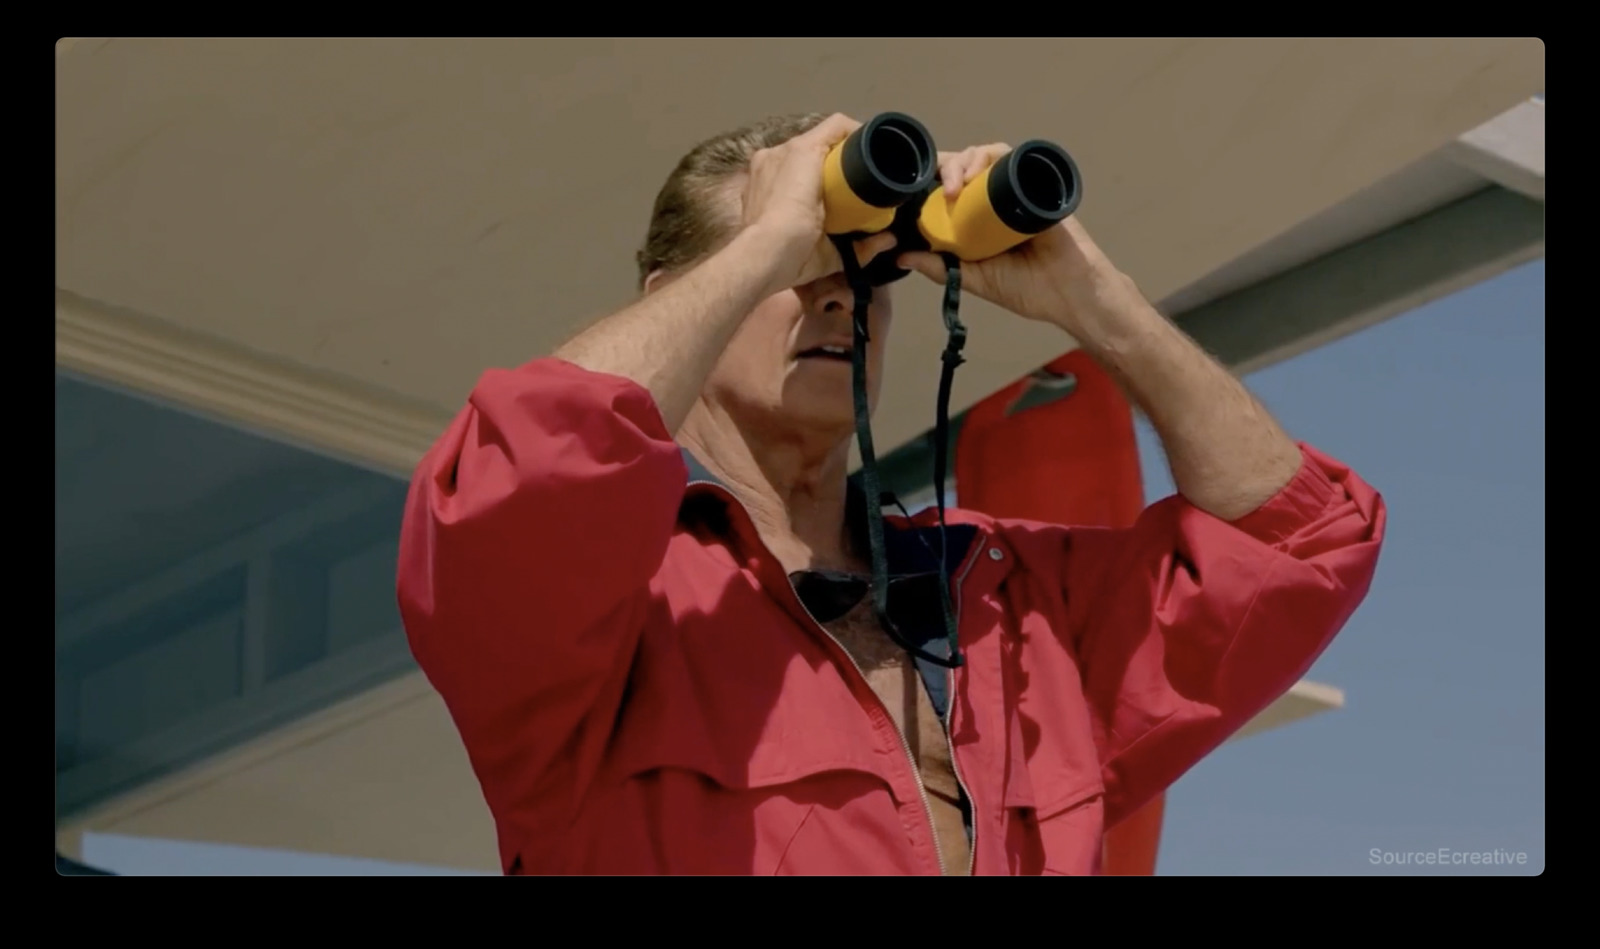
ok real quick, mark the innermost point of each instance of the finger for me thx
(869, 247)
(949, 165)
(957, 175)
(833, 130)
(983, 157)
(957, 169)
(929, 265)
(976, 163)
(954, 177)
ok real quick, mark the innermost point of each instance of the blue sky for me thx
(1441, 743)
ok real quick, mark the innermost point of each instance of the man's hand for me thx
(1050, 278)
(1228, 455)
(783, 198)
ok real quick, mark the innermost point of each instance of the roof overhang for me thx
(329, 240)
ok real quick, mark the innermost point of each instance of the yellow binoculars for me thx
(884, 176)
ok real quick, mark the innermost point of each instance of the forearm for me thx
(669, 341)
(1227, 454)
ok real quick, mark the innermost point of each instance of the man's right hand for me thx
(783, 199)
(670, 340)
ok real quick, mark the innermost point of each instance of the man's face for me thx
(789, 364)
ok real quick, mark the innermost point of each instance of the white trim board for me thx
(356, 808)
(228, 383)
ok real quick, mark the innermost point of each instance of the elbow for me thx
(1310, 588)
(1337, 556)
(1320, 576)
(1325, 507)
(1298, 612)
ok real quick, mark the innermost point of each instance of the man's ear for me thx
(657, 280)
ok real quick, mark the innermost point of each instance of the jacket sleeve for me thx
(531, 532)
(1186, 626)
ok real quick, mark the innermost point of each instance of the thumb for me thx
(870, 247)
(929, 265)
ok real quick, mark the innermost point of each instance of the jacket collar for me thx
(910, 547)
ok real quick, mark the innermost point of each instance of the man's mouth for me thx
(837, 353)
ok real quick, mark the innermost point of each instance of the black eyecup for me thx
(1035, 186)
(889, 160)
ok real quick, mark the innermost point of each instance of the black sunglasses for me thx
(915, 605)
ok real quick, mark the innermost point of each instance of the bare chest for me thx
(893, 677)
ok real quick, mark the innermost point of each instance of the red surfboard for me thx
(1059, 446)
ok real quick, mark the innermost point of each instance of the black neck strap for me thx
(876, 498)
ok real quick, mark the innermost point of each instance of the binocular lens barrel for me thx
(1034, 187)
(884, 175)
(889, 160)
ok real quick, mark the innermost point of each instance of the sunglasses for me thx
(916, 607)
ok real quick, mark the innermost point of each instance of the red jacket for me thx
(640, 691)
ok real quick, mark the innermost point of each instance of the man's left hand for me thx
(1050, 278)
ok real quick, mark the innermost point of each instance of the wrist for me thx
(775, 255)
(1101, 303)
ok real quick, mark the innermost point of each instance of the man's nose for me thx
(831, 294)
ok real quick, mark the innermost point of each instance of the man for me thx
(634, 570)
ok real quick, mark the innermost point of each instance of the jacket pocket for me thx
(1058, 832)
(1073, 833)
(685, 792)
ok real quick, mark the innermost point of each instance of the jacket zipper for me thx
(950, 707)
(905, 746)
(916, 768)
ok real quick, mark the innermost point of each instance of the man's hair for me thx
(687, 223)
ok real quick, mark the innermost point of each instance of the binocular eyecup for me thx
(885, 163)
(884, 176)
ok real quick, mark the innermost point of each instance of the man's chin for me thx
(824, 406)
(834, 420)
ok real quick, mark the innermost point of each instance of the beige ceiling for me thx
(405, 213)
